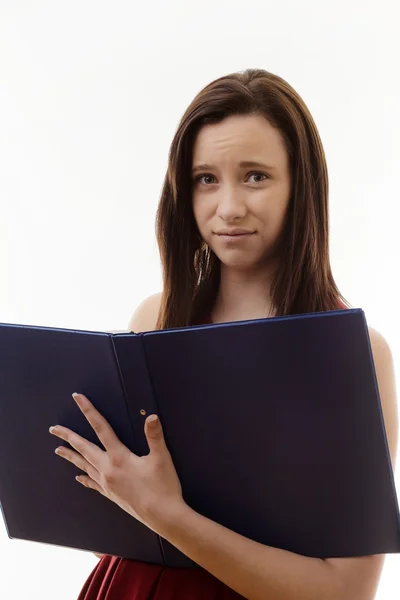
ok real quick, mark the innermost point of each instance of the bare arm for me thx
(259, 572)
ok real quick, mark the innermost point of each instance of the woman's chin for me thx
(238, 263)
(243, 261)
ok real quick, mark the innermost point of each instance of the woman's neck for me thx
(242, 296)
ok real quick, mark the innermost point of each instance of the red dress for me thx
(116, 578)
(121, 579)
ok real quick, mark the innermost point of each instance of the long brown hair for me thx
(303, 282)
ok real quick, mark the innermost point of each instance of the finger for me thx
(78, 460)
(89, 451)
(102, 428)
(90, 483)
(154, 434)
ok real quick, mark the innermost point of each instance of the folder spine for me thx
(122, 382)
(151, 385)
(146, 387)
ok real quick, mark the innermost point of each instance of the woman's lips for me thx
(234, 237)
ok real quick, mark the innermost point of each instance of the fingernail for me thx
(76, 397)
(152, 420)
(53, 429)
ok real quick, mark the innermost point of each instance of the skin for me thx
(230, 197)
(253, 198)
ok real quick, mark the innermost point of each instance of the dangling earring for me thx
(204, 247)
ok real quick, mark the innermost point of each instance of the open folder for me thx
(275, 428)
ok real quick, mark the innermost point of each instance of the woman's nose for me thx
(231, 206)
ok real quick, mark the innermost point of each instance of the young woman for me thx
(242, 229)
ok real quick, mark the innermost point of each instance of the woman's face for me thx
(230, 197)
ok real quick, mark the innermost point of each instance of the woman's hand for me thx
(147, 487)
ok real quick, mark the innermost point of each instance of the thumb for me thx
(154, 434)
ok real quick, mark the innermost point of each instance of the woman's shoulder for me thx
(146, 314)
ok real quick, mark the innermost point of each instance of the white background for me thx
(90, 95)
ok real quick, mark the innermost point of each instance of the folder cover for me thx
(275, 428)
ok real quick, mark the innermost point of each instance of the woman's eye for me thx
(201, 177)
(262, 175)
(208, 175)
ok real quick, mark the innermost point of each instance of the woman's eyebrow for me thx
(243, 165)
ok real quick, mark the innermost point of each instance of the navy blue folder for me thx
(275, 427)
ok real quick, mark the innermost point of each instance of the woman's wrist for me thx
(165, 519)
